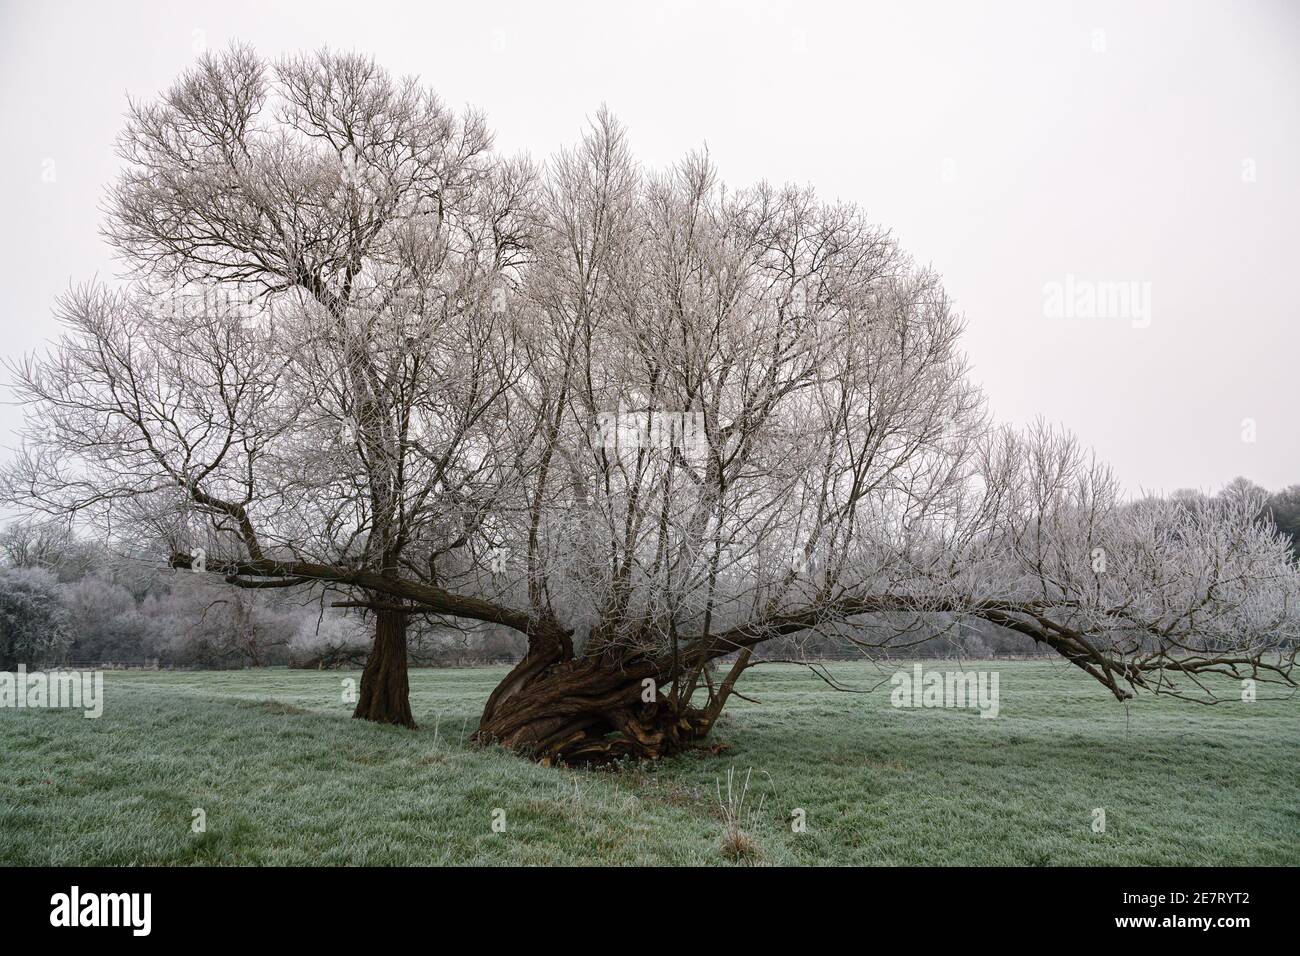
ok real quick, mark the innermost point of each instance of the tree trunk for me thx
(591, 710)
(385, 692)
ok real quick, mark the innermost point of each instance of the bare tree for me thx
(645, 420)
(51, 545)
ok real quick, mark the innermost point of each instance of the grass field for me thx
(284, 776)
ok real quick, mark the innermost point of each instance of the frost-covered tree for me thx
(104, 622)
(1284, 508)
(33, 625)
(332, 640)
(49, 545)
(645, 420)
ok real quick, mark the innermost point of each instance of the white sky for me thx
(995, 141)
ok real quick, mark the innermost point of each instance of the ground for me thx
(285, 776)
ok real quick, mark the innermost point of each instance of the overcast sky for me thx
(1028, 151)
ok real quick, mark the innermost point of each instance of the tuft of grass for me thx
(737, 845)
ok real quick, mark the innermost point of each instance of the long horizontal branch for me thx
(423, 597)
(1024, 617)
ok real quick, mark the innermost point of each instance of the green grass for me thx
(286, 777)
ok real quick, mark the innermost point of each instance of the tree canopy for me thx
(646, 419)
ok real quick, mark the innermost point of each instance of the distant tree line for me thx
(68, 601)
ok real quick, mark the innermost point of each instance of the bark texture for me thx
(385, 691)
(558, 709)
